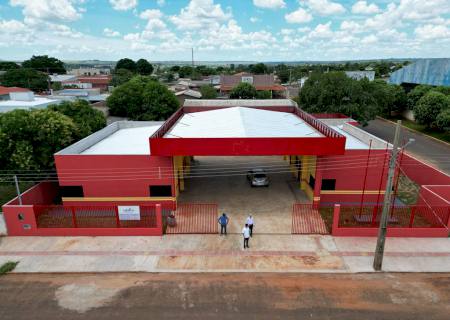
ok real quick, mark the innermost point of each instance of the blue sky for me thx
(262, 30)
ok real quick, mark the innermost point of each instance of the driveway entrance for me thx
(223, 180)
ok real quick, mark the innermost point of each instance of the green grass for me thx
(441, 135)
(8, 267)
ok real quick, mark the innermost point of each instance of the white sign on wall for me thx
(129, 212)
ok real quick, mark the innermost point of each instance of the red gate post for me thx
(74, 217)
(413, 212)
(336, 214)
(116, 209)
(159, 222)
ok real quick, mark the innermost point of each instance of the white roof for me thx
(351, 142)
(241, 122)
(37, 102)
(189, 92)
(125, 141)
(62, 77)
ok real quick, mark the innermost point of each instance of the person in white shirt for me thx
(250, 224)
(246, 234)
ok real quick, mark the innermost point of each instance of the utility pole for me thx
(192, 54)
(19, 195)
(379, 250)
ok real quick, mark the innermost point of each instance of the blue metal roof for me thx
(435, 72)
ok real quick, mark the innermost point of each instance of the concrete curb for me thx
(415, 131)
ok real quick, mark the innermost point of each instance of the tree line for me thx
(29, 138)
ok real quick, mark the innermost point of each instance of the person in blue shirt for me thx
(223, 221)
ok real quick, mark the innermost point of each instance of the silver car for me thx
(258, 178)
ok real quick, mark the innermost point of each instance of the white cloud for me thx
(111, 33)
(161, 2)
(40, 10)
(298, 16)
(351, 26)
(270, 4)
(254, 19)
(429, 32)
(362, 7)
(322, 31)
(123, 5)
(370, 39)
(324, 7)
(200, 14)
(12, 26)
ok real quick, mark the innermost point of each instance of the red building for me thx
(98, 81)
(145, 163)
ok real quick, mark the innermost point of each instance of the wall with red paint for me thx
(349, 171)
(42, 193)
(422, 173)
(114, 175)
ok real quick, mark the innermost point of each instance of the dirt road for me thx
(224, 296)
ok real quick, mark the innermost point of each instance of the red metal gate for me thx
(194, 218)
(306, 219)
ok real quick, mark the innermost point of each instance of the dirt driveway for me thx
(271, 206)
(225, 296)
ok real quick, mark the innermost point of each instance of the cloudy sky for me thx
(263, 30)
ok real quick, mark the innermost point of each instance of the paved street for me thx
(225, 296)
(430, 150)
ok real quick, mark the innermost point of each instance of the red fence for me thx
(60, 220)
(197, 218)
(403, 221)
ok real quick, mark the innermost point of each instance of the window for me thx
(160, 191)
(20, 217)
(72, 192)
(247, 79)
(312, 181)
(328, 184)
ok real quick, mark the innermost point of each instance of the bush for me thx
(142, 99)
(87, 119)
(415, 94)
(429, 106)
(8, 267)
(208, 92)
(443, 120)
(243, 91)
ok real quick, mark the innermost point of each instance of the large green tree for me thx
(120, 76)
(415, 94)
(126, 63)
(335, 92)
(7, 65)
(143, 67)
(142, 98)
(45, 64)
(25, 78)
(208, 92)
(429, 107)
(87, 119)
(243, 90)
(30, 138)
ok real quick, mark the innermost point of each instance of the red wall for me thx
(349, 171)
(422, 173)
(42, 193)
(114, 175)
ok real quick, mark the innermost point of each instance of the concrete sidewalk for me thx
(213, 253)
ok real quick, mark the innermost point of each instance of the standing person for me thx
(246, 234)
(250, 224)
(223, 221)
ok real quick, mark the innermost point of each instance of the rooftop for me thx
(435, 72)
(241, 122)
(37, 102)
(8, 90)
(239, 103)
(119, 138)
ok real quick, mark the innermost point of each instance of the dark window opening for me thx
(328, 184)
(20, 216)
(312, 181)
(72, 192)
(160, 191)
